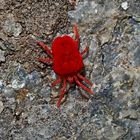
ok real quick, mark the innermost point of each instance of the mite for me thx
(67, 62)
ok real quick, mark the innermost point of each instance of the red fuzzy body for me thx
(67, 60)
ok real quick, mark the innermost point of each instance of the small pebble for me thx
(16, 84)
(124, 5)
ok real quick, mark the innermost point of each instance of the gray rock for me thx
(1, 85)
(137, 56)
(11, 27)
(1, 106)
(132, 114)
(85, 7)
(2, 56)
(112, 64)
(8, 92)
(17, 84)
(45, 92)
(6, 45)
(2, 4)
(33, 79)
(17, 78)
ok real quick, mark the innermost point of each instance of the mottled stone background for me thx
(111, 30)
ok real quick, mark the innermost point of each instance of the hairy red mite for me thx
(67, 62)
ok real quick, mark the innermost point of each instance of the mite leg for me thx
(75, 30)
(84, 95)
(83, 86)
(84, 51)
(45, 60)
(45, 47)
(84, 79)
(61, 93)
(57, 81)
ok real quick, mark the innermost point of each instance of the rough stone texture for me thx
(2, 57)
(1, 106)
(12, 28)
(27, 102)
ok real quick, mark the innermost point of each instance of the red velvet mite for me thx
(67, 62)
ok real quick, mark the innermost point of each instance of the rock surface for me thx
(28, 109)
